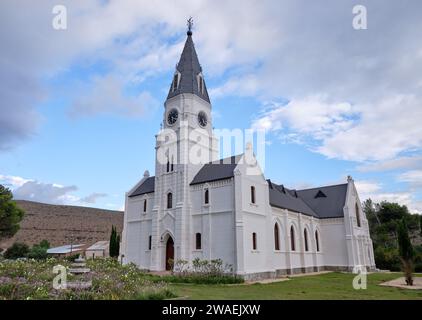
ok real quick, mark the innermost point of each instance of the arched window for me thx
(207, 196)
(276, 237)
(292, 239)
(145, 205)
(252, 194)
(169, 200)
(317, 240)
(357, 214)
(254, 245)
(198, 242)
(149, 242)
(168, 165)
(305, 237)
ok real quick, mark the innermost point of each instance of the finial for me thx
(190, 24)
(349, 178)
(146, 174)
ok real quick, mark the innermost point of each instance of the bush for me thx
(39, 251)
(17, 250)
(387, 258)
(202, 272)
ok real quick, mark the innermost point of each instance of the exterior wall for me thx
(359, 244)
(89, 254)
(215, 221)
(333, 242)
(138, 228)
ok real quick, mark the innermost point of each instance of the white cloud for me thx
(383, 131)
(12, 181)
(301, 119)
(44, 192)
(374, 190)
(246, 86)
(92, 198)
(54, 193)
(106, 96)
(367, 187)
(393, 164)
(413, 177)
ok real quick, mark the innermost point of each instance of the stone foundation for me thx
(285, 272)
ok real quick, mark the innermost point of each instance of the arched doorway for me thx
(169, 253)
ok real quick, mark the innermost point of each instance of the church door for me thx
(169, 253)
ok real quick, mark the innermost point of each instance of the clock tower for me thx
(183, 146)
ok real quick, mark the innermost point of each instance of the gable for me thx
(147, 186)
(217, 170)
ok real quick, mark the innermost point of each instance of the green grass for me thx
(322, 287)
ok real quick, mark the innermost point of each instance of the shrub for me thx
(202, 271)
(39, 251)
(406, 252)
(17, 250)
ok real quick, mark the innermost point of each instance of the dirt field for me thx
(64, 224)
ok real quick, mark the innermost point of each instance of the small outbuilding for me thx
(99, 249)
(66, 250)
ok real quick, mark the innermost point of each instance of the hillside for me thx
(62, 224)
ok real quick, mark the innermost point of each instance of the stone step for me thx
(79, 270)
(79, 285)
(78, 265)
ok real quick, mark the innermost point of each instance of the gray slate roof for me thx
(189, 68)
(146, 187)
(281, 197)
(217, 170)
(330, 206)
(321, 202)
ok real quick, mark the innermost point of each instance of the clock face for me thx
(202, 119)
(172, 116)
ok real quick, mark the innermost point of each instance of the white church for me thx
(227, 209)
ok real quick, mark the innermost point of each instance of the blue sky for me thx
(79, 107)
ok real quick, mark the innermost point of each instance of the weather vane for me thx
(190, 24)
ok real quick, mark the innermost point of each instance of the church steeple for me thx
(188, 77)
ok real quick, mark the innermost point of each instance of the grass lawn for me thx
(323, 287)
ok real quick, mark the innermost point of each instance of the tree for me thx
(406, 251)
(114, 246)
(17, 250)
(392, 211)
(39, 251)
(420, 224)
(10, 214)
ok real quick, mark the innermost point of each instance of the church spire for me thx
(188, 77)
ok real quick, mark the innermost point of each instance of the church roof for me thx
(321, 202)
(217, 170)
(189, 68)
(146, 187)
(330, 206)
(281, 197)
